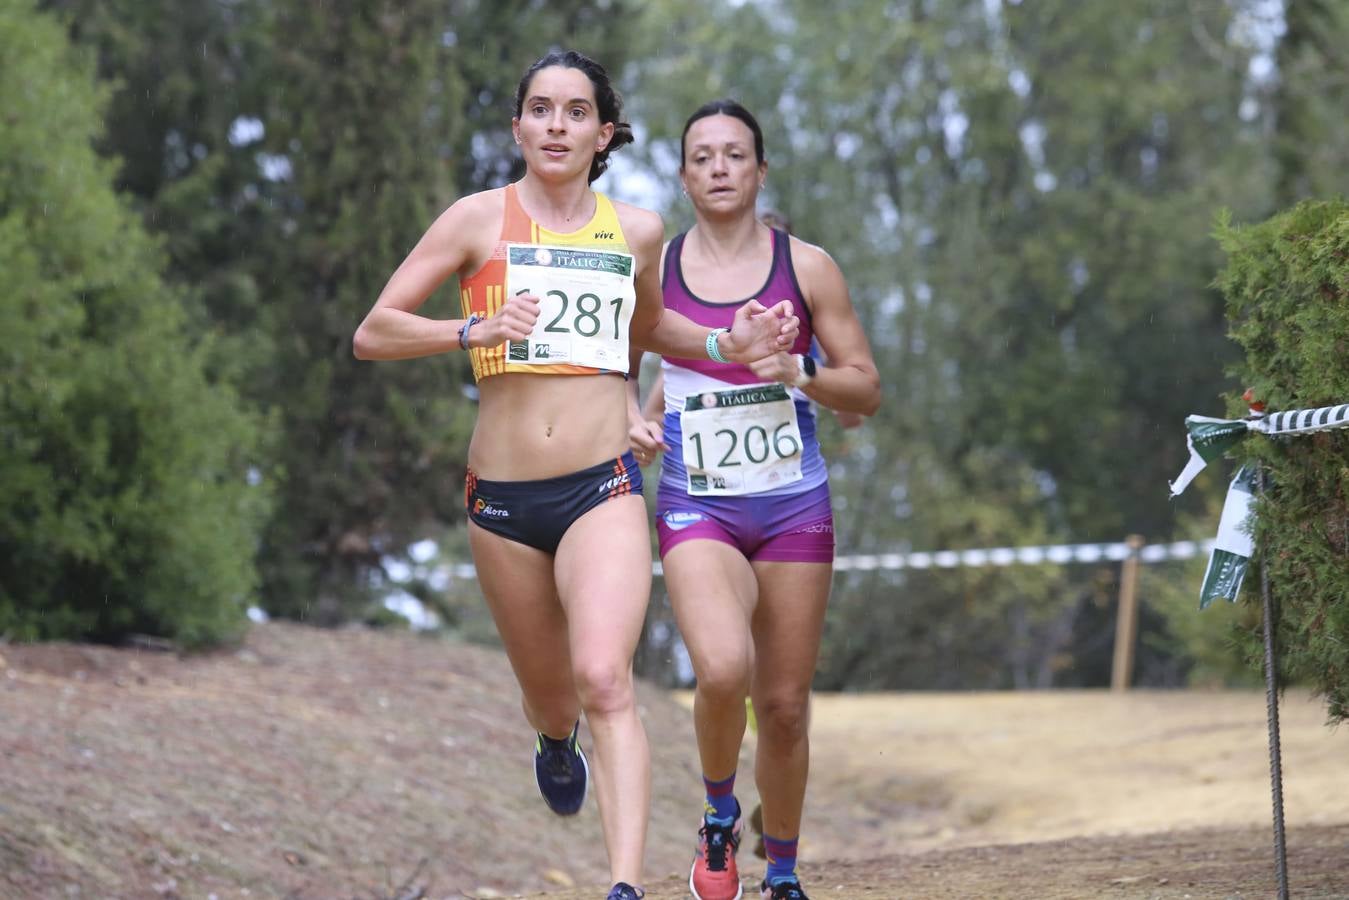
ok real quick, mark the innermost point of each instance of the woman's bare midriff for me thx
(540, 426)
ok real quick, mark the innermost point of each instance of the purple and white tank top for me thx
(742, 436)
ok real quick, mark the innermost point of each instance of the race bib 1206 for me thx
(586, 299)
(740, 441)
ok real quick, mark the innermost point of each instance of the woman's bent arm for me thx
(393, 329)
(850, 382)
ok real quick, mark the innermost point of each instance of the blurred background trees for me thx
(1022, 196)
(125, 459)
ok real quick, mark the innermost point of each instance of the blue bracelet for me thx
(713, 351)
(463, 330)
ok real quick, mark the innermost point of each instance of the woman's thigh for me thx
(713, 591)
(788, 624)
(517, 582)
(603, 576)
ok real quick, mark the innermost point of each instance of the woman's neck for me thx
(557, 206)
(722, 241)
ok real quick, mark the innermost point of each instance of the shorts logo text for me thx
(614, 483)
(483, 508)
(677, 520)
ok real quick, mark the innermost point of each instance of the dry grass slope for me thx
(354, 765)
(306, 764)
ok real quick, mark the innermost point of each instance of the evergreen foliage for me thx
(123, 464)
(291, 154)
(1287, 289)
(1018, 193)
(1311, 130)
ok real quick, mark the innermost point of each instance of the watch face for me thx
(808, 364)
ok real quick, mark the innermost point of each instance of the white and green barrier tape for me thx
(1056, 554)
(1049, 554)
(1209, 439)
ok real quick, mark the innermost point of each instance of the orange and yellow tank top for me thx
(484, 291)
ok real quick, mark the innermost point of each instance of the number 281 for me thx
(586, 318)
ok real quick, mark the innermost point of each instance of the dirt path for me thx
(327, 765)
(1208, 864)
(938, 771)
(1066, 794)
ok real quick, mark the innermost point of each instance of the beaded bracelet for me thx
(713, 351)
(463, 330)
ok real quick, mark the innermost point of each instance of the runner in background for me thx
(555, 281)
(743, 512)
(654, 406)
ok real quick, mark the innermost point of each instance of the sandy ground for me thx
(938, 771)
(1069, 794)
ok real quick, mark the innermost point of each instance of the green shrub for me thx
(1287, 290)
(124, 502)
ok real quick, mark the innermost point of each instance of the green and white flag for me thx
(1232, 549)
(1209, 438)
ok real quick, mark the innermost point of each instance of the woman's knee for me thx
(783, 717)
(603, 686)
(723, 680)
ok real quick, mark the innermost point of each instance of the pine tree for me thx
(123, 462)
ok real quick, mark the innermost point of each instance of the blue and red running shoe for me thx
(714, 875)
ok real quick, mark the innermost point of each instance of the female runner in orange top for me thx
(556, 280)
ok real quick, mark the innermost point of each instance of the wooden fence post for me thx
(1126, 623)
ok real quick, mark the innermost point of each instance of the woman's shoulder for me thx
(469, 223)
(479, 207)
(640, 226)
(811, 259)
(467, 228)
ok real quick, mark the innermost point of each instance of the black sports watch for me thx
(805, 364)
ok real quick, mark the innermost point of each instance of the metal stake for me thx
(1272, 706)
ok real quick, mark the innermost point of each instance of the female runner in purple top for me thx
(746, 531)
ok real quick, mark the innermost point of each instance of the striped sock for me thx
(720, 806)
(781, 859)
